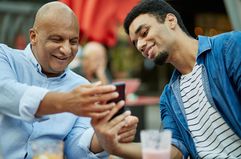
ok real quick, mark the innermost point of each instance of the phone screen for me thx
(120, 88)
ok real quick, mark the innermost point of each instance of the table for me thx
(143, 101)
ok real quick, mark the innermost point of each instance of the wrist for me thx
(95, 145)
(51, 104)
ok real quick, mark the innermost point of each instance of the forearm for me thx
(129, 151)
(133, 151)
(53, 102)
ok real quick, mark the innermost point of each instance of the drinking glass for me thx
(48, 149)
(156, 144)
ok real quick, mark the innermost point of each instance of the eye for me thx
(74, 41)
(144, 32)
(56, 39)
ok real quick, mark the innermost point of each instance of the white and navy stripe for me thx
(212, 136)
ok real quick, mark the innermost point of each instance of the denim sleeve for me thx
(233, 60)
(18, 100)
(169, 123)
(77, 143)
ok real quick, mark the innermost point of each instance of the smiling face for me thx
(54, 39)
(151, 37)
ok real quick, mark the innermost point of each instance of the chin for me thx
(161, 58)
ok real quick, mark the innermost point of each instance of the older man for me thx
(40, 98)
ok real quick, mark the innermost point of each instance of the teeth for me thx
(61, 58)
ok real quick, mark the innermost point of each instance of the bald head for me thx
(54, 11)
(54, 37)
(94, 49)
(95, 61)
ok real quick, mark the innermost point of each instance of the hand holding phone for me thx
(120, 88)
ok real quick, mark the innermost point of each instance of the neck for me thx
(184, 55)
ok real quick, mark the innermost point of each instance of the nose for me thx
(66, 48)
(141, 44)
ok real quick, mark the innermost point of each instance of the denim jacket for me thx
(220, 58)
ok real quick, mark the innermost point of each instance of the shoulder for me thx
(75, 78)
(5, 48)
(10, 52)
(222, 44)
(227, 37)
(228, 41)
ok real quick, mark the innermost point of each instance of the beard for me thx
(161, 58)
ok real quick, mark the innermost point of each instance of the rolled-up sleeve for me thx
(30, 101)
(18, 100)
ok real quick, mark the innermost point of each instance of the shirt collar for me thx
(34, 61)
(31, 57)
(204, 44)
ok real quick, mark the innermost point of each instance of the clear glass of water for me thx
(156, 144)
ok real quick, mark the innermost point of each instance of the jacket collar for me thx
(204, 44)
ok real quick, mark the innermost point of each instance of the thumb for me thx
(98, 83)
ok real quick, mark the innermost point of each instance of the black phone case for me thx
(120, 88)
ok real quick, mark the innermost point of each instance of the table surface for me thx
(143, 101)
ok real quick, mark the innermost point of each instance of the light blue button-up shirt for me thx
(22, 87)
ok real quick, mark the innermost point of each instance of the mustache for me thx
(161, 58)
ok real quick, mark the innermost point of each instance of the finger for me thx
(93, 89)
(125, 129)
(94, 84)
(111, 113)
(97, 107)
(98, 83)
(128, 133)
(115, 109)
(126, 140)
(116, 120)
(127, 136)
(119, 118)
(102, 97)
(131, 120)
(116, 128)
(99, 115)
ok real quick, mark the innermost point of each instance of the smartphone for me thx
(120, 88)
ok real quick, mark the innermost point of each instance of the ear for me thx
(32, 36)
(171, 20)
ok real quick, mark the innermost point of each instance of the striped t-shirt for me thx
(212, 136)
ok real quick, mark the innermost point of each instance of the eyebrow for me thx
(139, 28)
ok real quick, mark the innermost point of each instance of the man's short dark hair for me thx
(157, 8)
